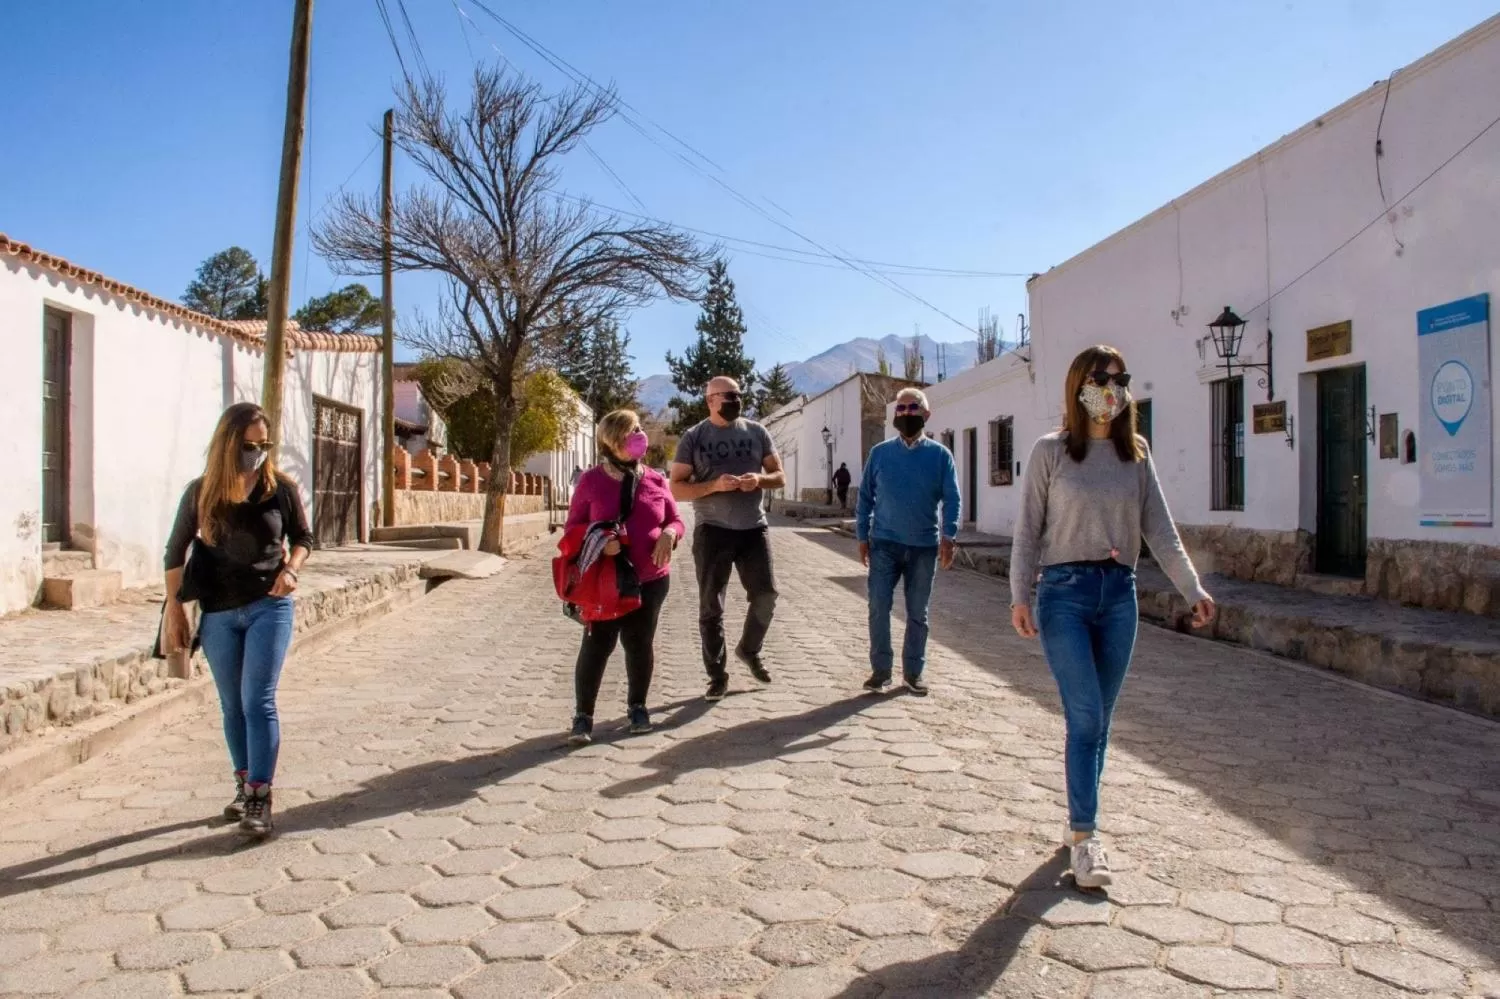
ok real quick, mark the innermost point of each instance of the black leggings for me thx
(637, 632)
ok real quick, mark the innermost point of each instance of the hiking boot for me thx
(583, 730)
(257, 820)
(878, 684)
(718, 686)
(757, 668)
(235, 810)
(640, 719)
(1091, 864)
(916, 687)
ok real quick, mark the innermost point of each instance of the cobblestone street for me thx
(1275, 831)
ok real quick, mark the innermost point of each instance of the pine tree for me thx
(776, 391)
(226, 285)
(720, 350)
(595, 361)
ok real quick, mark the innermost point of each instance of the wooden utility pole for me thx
(388, 357)
(280, 291)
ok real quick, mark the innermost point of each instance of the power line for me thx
(588, 148)
(623, 108)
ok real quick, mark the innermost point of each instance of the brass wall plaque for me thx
(1335, 340)
(1269, 417)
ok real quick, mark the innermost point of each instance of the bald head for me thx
(723, 398)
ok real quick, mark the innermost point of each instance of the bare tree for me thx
(517, 255)
(989, 337)
(911, 367)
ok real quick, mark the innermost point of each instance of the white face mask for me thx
(1104, 402)
(251, 461)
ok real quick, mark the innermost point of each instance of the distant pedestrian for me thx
(652, 529)
(723, 465)
(1089, 495)
(841, 480)
(907, 480)
(238, 542)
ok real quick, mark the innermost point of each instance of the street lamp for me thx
(828, 443)
(1228, 331)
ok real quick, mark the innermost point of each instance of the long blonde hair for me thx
(223, 483)
(614, 428)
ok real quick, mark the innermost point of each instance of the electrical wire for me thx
(588, 148)
(1379, 153)
(1376, 220)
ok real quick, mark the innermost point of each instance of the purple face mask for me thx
(636, 445)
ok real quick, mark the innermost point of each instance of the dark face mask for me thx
(729, 409)
(910, 425)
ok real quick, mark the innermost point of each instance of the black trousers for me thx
(716, 552)
(843, 492)
(637, 632)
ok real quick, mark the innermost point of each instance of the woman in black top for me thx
(238, 542)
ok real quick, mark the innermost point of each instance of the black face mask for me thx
(910, 424)
(729, 410)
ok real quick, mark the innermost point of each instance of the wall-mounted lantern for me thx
(1228, 332)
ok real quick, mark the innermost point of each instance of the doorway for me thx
(57, 352)
(1342, 456)
(338, 480)
(971, 476)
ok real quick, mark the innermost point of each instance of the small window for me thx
(1002, 451)
(948, 439)
(1227, 444)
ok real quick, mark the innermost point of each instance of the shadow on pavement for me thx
(1375, 789)
(751, 742)
(985, 955)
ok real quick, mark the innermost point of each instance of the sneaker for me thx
(257, 820)
(878, 684)
(757, 668)
(583, 730)
(640, 719)
(1090, 864)
(717, 687)
(235, 810)
(916, 687)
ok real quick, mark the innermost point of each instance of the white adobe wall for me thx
(1309, 193)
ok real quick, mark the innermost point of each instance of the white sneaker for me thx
(1090, 864)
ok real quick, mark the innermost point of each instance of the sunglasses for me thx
(728, 396)
(1102, 378)
(250, 447)
(908, 407)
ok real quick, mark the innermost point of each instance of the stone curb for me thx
(1453, 675)
(66, 747)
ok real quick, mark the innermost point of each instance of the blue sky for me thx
(980, 135)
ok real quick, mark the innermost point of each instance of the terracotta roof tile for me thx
(251, 332)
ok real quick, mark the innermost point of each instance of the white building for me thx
(576, 453)
(853, 413)
(418, 425)
(1333, 239)
(110, 395)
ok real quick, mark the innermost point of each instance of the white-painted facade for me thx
(146, 387)
(797, 430)
(576, 452)
(1298, 237)
(411, 405)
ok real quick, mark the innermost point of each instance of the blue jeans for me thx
(916, 567)
(245, 648)
(1087, 615)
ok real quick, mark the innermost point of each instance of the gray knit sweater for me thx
(1092, 510)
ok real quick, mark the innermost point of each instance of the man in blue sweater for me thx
(900, 537)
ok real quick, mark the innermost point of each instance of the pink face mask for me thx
(636, 445)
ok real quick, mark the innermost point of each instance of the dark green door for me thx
(1342, 449)
(1143, 427)
(971, 494)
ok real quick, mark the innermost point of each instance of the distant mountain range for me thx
(827, 369)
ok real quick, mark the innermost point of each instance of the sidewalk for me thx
(73, 683)
(1450, 658)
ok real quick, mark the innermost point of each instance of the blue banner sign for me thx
(1453, 368)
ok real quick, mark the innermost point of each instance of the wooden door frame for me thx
(65, 449)
(1362, 501)
(359, 505)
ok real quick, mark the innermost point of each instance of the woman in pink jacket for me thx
(652, 531)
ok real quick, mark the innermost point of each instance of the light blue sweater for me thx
(901, 491)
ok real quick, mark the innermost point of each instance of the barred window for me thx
(1002, 451)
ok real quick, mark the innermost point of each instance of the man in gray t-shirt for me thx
(723, 467)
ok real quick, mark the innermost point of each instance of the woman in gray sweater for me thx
(1089, 495)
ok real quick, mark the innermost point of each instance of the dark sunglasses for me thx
(728, 396)
(1102, 378)
(250, 447)
(908, 407)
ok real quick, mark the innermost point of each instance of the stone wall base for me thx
(1247, 553)
(417, 507)
(1441, 575)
